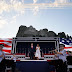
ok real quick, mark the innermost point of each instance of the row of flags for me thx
(8, 44)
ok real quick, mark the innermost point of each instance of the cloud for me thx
(11, 5)
(20, 7)
(62, 1)
(13, 20)
(4, 7)
(35, 10)
(34, 1)
(2, 22)
(22, 1)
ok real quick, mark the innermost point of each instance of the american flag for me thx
(7, 42)
(67, 42)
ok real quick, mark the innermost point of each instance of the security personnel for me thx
(2, 56)
(62, 58)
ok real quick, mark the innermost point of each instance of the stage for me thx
(21, 47)
(34, 66)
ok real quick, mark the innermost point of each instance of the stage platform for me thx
(34, 66)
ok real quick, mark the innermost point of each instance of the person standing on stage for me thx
(2, 56)
(32, 51)
(62, 56)
(37, 54)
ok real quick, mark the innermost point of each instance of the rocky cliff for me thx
(32, 32)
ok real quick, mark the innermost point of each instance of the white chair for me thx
(8, 68)
(68, 67)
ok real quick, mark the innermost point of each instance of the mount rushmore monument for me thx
(32, 32)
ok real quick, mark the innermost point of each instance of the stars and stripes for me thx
(67, 42)
(7, 42)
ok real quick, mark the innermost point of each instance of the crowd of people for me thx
(4, 62)
(60, 56)
(14, 58)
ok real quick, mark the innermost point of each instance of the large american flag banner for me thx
(67, 42)
(7, 42)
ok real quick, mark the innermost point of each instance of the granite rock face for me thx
(51, 34)
(32, 32)
(43, 33)
(27, 32)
